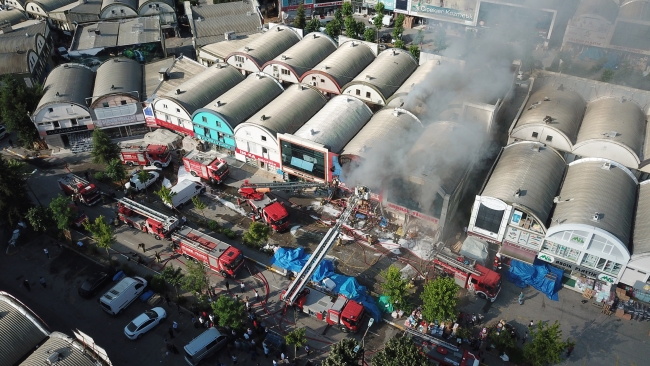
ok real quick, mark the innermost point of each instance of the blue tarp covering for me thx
(612, 61)
(295, 259)
(541, 276)
(592, 53)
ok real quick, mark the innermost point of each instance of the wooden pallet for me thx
(588, 293)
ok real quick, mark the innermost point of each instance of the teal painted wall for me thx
(215, 125)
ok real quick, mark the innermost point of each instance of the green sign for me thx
(606, 278)
(546, 257)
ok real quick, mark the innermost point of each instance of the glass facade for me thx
(303, 159)
(561, 250)
(489, 219)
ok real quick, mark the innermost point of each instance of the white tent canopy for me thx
(162, 136)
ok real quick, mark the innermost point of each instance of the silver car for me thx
(144, 323)
(135, 183)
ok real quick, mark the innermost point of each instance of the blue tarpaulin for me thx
(541, 276)
(295, 259)
(592, 53)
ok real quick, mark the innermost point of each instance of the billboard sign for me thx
(463, 11)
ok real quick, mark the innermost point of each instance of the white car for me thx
(144, 323)
(134, 181)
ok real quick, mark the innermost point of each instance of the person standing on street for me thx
(42, 281)
(47, 253)
(171, 332)
(27, 286)
(227, 286)
(521, 298)
(530, 325)
(569, 350)
(524, 338)
(242, 287)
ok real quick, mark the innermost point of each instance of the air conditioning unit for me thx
(596, 217)
(606, 166)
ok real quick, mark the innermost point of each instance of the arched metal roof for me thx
(133, 4)
(417, 77)
(288, 112)
(67, 83)
(606, 9)
(609, 120)
(205, 86)
(641, 239)
(635, 9)
(381, 132)
(269, 45)
(565, 107)
(598, 185)
(119, 75)
(387, 72)
(13, 16)
(245, 99)
(532, 169)
(345, 63)
(49, 5)
(142, 3)
(307, 53)
(337, 123)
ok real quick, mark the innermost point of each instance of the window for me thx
(263, 138)
(204, 119)
(167, 118)
(535, 134)
(358, 92)
(50, 110)
(561, 250)
(313, 78)
(367, 94)
(239, 58)
(285, 72)
(123, 102)
(56, 124)
(322, 80)
(105, 104)
(549, 138)
(489, 219)
(303, 159)
(206, 131)
(165, 106)
(74, 122)
(70, 110)
(218, 123)
(264, 151)
(178, 110)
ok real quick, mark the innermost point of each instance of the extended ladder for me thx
(72, 179)
(294, 289)
(168, 221)
(430, 339)
(457, 264)
(283, 185)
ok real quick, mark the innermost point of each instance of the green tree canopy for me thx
(257, 233)
(370, 34)
(346, 9)
(394, 286)
(231, 313)
(173, 276)
(165, 195)
(40, 218)
(378, 21)
(333, 29)
(400, 351)
(104, 149)
(196, 278)
(360, 28)
(342, 353)
(399, 44)
(14, 200)
(398, 28)
(17, 101)
(296, 338)
(415, 51)
(63, 212)
(350, 26)
(338, 15)
(313, 25)
(103, 233)
(439, 299)
(199, 205)
(546, 345)
(299, 22)
(115, 170)
(143, 176)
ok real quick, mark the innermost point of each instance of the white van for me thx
(203, 346)
(122, 294)
(183, 191)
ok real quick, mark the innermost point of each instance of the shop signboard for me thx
(516, 235)
(569, 266)
(413, 213)
(588, 30)
(116, 121)
(66, 130)
(256, 157)
(545, 257)
(606, 278)
(149, 117)
(174, 127)
(446, 10)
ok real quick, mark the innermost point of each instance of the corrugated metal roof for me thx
(88, 11)
(220, 10)
(14, 63)
(387, 72)
(566, 107)
(49, 5)
(142, 3)
(589, 189)
(139, 30)
(379, 133)
(86, 38)
(20, 330)
(119, 75)
(206, 86)
(73, 82)
(606, 9)
(345, 63)
(307, 53)
(214, 29)
(152, 75)
(13, 16)
(17, 41)
(337, 123)
(641, 239)
(610, 119)
(246, 98)
(133, 4)
(535, 170)
(124, 32)
(272, 43)
(71, 352)
(182, 70)
(418, 76)
(222, 48)
(288, 112)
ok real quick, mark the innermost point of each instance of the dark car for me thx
(93, 283)
(274, 344)
(385, 38)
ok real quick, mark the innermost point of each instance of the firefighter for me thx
(158, 259)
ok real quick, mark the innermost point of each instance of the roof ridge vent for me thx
(283, 57)
(610, 134)
(368, 77)
(315, 35)
(606, 166)
(178, 91)
(116, 60)
(595, 217)
(535, 147)
(353, 44)
(113, 87)
(517, 192)
(303, 87)
(394, 52)
(220, 66)
(218, 104)
(546, 99)
(263, 117)
(547, 119)
(246, 48)
(396, 112)
(258, 75)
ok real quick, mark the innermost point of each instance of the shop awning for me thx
(518, 253)
(631, 277)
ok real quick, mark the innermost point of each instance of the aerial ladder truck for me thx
(143, 218)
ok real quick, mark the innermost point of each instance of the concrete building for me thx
(379, 80)
(115, 104)
(218, 51)
(62, 116)
(252, 57)
(590, 235)
(514, 206)
(292, 64)
(174, 109)
(216, 122)
(402, 97)
(312, 152)
(339, 68)
(256, 138)
(25, 52)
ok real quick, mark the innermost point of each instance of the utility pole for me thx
(363, 343)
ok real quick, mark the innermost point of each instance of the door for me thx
(141, 159)
(213, 263)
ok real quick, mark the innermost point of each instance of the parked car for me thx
(274, 345)
(385, 38)
(144, 323)
(134, 181)
(93, 284)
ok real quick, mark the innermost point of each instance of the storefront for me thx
(77, 139)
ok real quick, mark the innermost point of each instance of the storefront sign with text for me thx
(413, 213)
(260, 158)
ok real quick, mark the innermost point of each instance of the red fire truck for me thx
(87, 192)
(215, 254)
(341, 312)
(444, 353)
(146, 219)
(156, 155)
(206, 165)
(480, 280)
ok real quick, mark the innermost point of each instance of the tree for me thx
(231, 313)
(103, 233)
(399, 44)
(165, 195)
(546, 345)
(370, 35)
(16, 102)
(173, 276)
(395, 287)
(196, 278)
(439, 299)
(502, 340)
(199, 205)
(333, 28)
(104, 149)
(312, 26)
(40, 218)
(256, 234)
(607, 76)
(296, 338)
(398, 28)
(379, 17)
(346, 9)
(415, 51)
(350, 26)
(63, 212)
(338, 16)
(143, 176)
(14, 200)
(361, 28)
(115, 170)
(299, 22)
(342, 353)
(400, 351)
(440, 39)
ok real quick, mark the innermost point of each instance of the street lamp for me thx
(363, 342)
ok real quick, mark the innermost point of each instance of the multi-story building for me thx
(25, 50)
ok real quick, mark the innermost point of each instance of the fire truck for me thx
(215, 254)
(444, 353)
(146, 219)
(87, 192)
(156, 155)
(206, 165)
(341, 311)
(479, 280)
(267, 209)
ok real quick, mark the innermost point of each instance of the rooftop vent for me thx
(313, 132)
(610, 134)
(218, 104)
(54, 358)
(303, 87)
(263, 117)
(595, 217)
(116, 60)
(178, 91)
(368, 77)
(353, 44)
(546, 99)
(229, 36)
(535, 148)
(220, 66)
(517, 192)
(315, 35)
(162, 74)
(548, 119)
(57, 94)
(395, 112)
(606, 166)
(113, 87)
(438, 62)
(394, 52)
(97, 31)
(246, 48)
(283, 57)
(248, 13)
(258, 75)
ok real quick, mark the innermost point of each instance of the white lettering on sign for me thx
(256, 157)
(413, 213)
(441, 11)
(106, 122)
